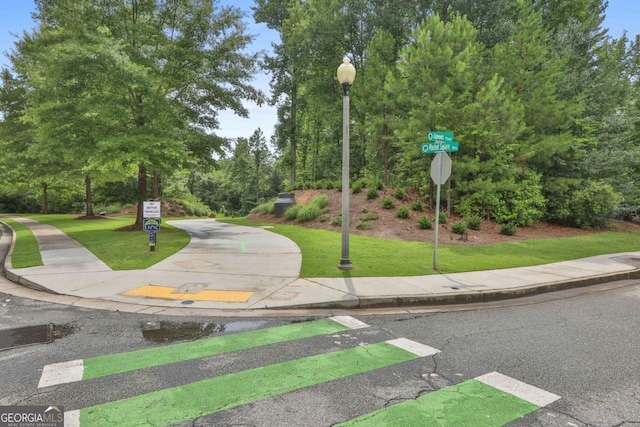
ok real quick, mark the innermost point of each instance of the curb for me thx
(468, 297)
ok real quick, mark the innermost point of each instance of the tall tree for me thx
(157, 73)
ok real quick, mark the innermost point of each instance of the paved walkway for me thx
(231, 267)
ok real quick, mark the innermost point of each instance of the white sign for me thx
(151, 209)
(441, 168)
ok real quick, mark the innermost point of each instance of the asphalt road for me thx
(583, 348)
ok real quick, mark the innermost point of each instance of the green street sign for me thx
(434, 136)
(440, 147)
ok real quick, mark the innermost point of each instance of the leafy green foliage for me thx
(363, 225)
(443, 218)
(292, 212)
(372, 193)
(509, 229)
(459, 227)
(369, 216)
(424, 223)
(417, 205)
(400, 194)
(594, 205)
(388, 203)
(474, 222)
(403, 212)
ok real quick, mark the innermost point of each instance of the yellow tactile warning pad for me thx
(167, 292)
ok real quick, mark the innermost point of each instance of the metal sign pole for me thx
(435, 242)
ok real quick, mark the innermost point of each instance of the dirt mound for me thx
(389, 226)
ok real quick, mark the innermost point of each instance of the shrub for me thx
(336, 220)
(369, 217)
(388, 203)
(362, 225)
(594, 205)
(292, 212)
(308, 213)
(403, 212)
(264, 208)
(509, 229)
(400, 194)
(323, 218)
(321, 201)
(372, 193)
(417, 205)
(459, 227)
(474, 222)
(356, 187)
(443, 218)
(424, 223)
(364, 210)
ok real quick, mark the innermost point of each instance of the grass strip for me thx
(26, 252)
(120, 250)
(375, 257)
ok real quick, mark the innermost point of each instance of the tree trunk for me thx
(87, 188)
(142, 193)
(45, 199)
(155, 192)
(293, 136)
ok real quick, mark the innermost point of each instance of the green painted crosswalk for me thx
(215, 394)
(111, 364)
(490, 400)
(467, 404)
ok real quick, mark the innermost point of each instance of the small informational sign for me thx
(151, 224)
(152, 240)
(151, 209)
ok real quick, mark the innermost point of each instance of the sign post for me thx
(151, 221)
(440, 143)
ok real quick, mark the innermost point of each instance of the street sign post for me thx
(439, 143)
(434, 136)
(439, 147)
(151, 221)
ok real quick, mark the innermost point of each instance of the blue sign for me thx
(151, 224)
(152, 238)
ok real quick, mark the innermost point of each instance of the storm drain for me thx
(26, 335)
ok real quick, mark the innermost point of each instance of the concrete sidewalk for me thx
(230, 267)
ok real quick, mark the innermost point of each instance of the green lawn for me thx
(321, 249)
(120, 250)
(26, 252)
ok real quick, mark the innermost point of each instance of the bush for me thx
(362, 225)
(443, 218)
(336, 220)
(388, 203)
(321, 201)
(356, 187)
(292, 212)
(424, 223)
(509, 229)
(308, 212)
(459, 227)
(195, 207)
(403, 212)
(594, 205)
(264, 208)
(417, 205)
(400, 194)
(369, 217)
(372, 193)
(474, 222)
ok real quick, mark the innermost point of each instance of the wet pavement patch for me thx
(165, 331)
(26, 335)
